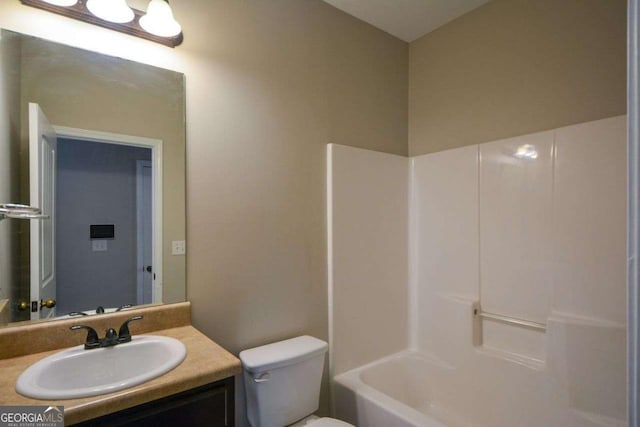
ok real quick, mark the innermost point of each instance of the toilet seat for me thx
(328, 422)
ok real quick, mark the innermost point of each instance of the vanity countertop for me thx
(206, 362)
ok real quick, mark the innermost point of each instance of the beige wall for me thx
(270, 97)
(296, 76)
(513, 67)
(9, 152)
(83, 90)
(5, 164)
(4, 311)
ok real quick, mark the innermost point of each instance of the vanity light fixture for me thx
(62, 2)
(157, 25)
(117, 11)
(159, 19)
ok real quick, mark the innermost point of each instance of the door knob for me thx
(148, 268)
(50, 303)
(23, 305)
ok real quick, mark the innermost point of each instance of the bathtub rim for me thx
(353, 381)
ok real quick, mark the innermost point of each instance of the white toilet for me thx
(282, 383)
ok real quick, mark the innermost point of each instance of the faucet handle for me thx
(123, 334)
(92, 340)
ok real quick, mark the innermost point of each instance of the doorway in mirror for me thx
(104, 226)
(100, 191)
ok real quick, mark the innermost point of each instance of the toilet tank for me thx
(282, 380)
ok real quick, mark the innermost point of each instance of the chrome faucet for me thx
(111, 337)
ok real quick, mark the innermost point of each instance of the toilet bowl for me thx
(282, 383)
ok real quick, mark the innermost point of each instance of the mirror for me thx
(98, 143)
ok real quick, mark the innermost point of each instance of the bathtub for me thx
(396, 391)
(410, 389)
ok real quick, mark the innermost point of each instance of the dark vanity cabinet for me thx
(211, 405)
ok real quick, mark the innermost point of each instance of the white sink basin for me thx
(77, 372)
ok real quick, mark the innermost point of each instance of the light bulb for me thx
(61, 2)
(159, 20)
(116, 11)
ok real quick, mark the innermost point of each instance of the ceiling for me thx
(407, 19)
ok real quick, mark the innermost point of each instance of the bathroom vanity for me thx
(210, 405)
(199, 391)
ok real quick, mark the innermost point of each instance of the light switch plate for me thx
(99, 245)
(178, 247)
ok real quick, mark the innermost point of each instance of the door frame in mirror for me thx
(43, 147)
(156, 159)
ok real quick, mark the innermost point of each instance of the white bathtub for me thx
(410, 389)
(396, 391)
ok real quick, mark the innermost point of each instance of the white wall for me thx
(368, 255)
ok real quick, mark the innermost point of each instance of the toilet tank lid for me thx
(282, 353)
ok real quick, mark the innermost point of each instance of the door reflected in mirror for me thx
(98, 143)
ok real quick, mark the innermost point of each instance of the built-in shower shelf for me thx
(520, 359)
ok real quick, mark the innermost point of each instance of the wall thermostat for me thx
(102, 231)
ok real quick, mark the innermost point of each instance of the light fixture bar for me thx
(80, 12)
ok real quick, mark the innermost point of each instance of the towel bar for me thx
(510, 320)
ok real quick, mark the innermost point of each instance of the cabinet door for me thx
(209, 405)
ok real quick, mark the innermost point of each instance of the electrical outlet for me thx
(99, 245)
(178, 247)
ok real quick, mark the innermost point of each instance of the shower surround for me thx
(530, 229)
